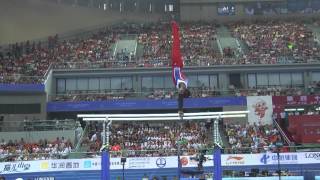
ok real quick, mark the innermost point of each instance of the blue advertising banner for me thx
(267, 178)
(260, 178)
(22, 87)
(144, 104)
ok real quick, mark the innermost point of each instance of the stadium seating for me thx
(277, 42)
(252, 138)
(42, 150)
(271, 43)
(151, 139)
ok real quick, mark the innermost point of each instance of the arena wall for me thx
(35, 136)
(20, 106)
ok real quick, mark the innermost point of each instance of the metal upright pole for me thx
(105, 158)
(105, 165)
(279, 171)
(122, 171)
(179, 162)
(217, 151)
(108, 133)
(104, 133)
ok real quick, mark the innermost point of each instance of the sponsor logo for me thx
(87, 164)
(64, 165)
(235, 160)
(115, 163)
(142, 162)
(283, 158)
(238, 158)
(90, 164)
(264, 159)
(15, 167)
(184, 161)
(44, 165)
(315, 155)
(161, 162)
(44, 178)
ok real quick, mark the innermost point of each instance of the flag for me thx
(175, 51)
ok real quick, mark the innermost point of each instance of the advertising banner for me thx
(284, 158)
(305, 128)
(281, 102)
(295, 100)
(158, 162)
(144, 104)
(22, 87)
(259, 159)
(152, 162)
(86, 164)
(309, 158)
(193, 161)
(260, 109)
(267, 178)
(239, 160)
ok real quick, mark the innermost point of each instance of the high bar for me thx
(163, 118)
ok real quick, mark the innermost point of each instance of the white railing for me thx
(286, 139)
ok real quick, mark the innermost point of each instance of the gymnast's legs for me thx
(183, 92)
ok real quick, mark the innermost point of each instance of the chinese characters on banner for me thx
(94, 164)
(295, 100)
(281, 102)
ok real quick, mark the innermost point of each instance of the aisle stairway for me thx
(316, 32)
(80, 149)
(224, 137)
(225, 38)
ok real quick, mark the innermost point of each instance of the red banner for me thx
(305, 128)
(175, 52)
(295, 100)
(281, 102)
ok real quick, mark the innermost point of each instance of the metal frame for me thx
(161, 115)
(108, 118)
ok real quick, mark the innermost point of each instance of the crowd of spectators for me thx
(29, 62)
(271, 91)
(314, 87)
(196, 45)
(93, 96)
(158, 94)
(151, 139)
(268, 43)
(308, 111)
(41, 150)
(254, 138)
(277, 42)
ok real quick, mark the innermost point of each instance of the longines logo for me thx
(312, 155)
